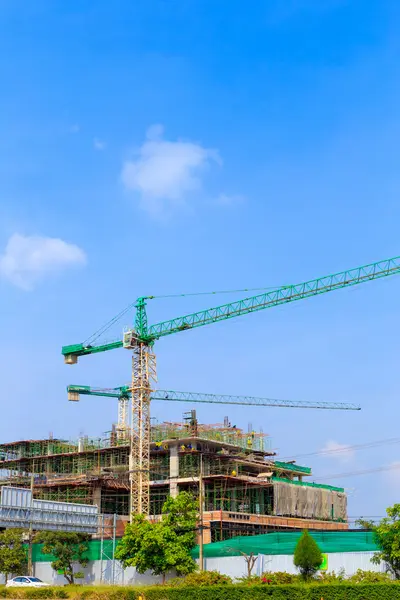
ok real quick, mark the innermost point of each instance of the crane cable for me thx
(262, 289)
(91, 339)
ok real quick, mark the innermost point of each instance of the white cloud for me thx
(99, 144)
(27, 259)
(164, 172)
(340, 452)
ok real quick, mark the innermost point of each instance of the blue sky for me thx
(181, 146)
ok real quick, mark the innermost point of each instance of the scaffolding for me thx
(223, 433)
(239, 472)
(227, 495)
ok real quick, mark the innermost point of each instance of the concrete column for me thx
(97, 496)
(173, 470)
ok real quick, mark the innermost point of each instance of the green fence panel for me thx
(94, 552)
(285, 543)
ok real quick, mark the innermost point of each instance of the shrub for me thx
(107, 593)
(346, 591)
(332, 577)
(202, 578)
(299, 591)
(278, 578)
(41, 593)
(248, 580)
(17, 593)
(341, 591)
(307, 556)
(227, 592)
(369, 577)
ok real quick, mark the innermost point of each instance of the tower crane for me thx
(123, 394)
(140, 340)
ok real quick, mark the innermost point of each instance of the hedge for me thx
(43, 593)
(343, 591)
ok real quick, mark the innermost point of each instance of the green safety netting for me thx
(292, 467)
(94, 552)
(285, 543)
(270, 543)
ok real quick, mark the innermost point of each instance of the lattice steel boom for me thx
(281, 295)
(174, 396)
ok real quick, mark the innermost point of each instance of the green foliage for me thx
(278, 578)
(314, 591)
(364, 524)
(248, 580)
(227, 592)
(203, 578)
(332, 577)
(270, 578)
(13, 554)
(21, 593)
(387, 538)
(40, 593)
(307, 556)
(347, 591)
(341, 591)
(369, 577)
(180, 514)
(165, 545)
(67, 548)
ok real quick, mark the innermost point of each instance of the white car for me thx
(26, 582)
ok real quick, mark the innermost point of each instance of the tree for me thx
(165, 545)
(250, 560)
(307, 556)
(67, 548)
(13, 554)
(387, 538)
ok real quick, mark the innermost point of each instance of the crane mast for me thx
(144, 373)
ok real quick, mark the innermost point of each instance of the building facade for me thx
(245, 490)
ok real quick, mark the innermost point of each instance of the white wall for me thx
(93, 573)
(234, 566)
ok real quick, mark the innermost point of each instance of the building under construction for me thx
(245, 489)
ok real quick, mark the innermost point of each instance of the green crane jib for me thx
(141, 340)
(281, 295)
(123, 392)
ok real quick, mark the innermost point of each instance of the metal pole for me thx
(201, 502)
(113, 549)
(101, 547)
(30, 546)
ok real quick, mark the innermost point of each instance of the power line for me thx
(356, 473)
(364, 446)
